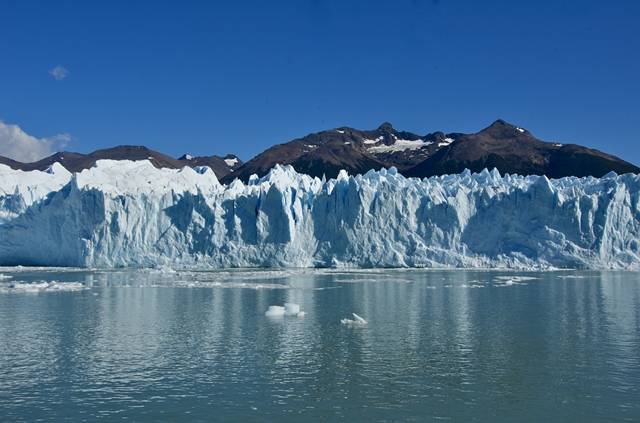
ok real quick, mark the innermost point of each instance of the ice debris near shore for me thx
(123, 213)
(43, 286)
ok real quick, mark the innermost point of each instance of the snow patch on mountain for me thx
(374, 141)
(231, 162)
(123, 213)
(399, 145)
(445, 142)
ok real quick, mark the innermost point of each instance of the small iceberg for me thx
(289, 309)
(274, 311)
(357, 321)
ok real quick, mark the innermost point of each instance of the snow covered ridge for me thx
(123, 213)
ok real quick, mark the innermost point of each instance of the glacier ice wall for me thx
(132, 214)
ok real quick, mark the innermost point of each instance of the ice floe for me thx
(289, 309)
(43, 286)
(357, 321)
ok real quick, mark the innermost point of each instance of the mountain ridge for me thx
(507, 147)
(76, 162)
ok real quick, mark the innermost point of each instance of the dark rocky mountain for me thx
(10, 162)
(511, 149)
(76, 162)
(356, 151)
(506, 147)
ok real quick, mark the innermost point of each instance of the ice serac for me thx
(19, 189)
(122, 213)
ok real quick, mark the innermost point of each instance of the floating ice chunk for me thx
(357, 321)
(505, 281)
(66, 286)
(515, 278)
(164, 269)
(275, 311)
(353, 281)
(291, 309)
(52, 286)
(224, 285)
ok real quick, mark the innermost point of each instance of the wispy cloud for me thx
(59, 73)
(18, 145)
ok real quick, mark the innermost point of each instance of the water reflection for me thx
(446, 344)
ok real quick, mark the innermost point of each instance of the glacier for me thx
(131, 214)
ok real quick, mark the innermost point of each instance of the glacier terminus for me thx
(131, 214)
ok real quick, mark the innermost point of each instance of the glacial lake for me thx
(454, 345)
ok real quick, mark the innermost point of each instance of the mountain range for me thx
(509, 148)
(75, 162)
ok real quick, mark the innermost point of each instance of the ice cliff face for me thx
(132, 214)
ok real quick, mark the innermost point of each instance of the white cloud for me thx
(18, 145)
(59, 73)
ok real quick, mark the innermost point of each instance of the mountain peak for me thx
(501, 123)
(385, 126)
(502, 129)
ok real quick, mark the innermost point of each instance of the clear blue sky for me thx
(239, 76)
